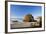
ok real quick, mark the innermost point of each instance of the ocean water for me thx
(20, 20)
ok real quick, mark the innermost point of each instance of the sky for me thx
(18, 11)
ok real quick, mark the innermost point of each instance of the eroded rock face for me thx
(28, 18)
